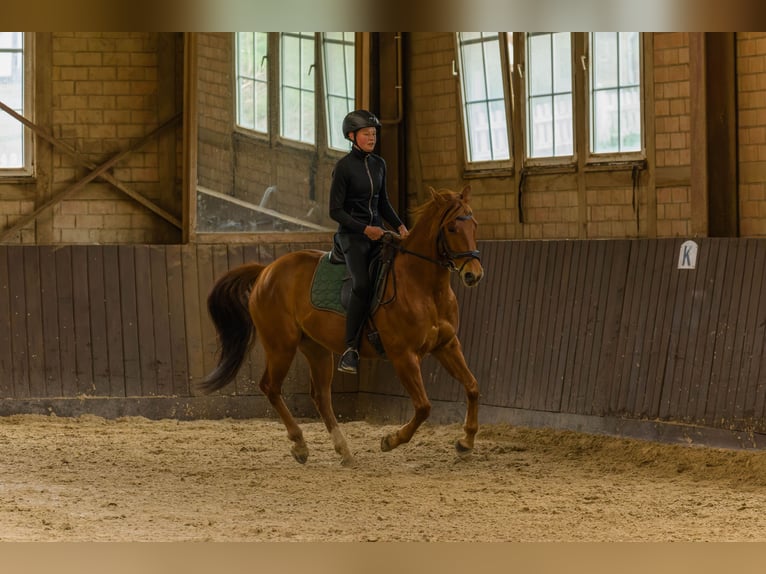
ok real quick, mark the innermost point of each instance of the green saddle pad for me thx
(326, 285)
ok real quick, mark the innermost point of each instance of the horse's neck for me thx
(426, 274)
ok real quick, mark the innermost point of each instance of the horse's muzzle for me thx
(471, 274)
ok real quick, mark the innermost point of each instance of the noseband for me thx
(447, 255)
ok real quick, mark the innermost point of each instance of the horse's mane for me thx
(433, 205)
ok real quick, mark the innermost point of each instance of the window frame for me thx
(593, 159)
(516, 100)
(273, 136)
(486, 166)
(28, 170)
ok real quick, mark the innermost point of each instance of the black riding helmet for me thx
(357, 120)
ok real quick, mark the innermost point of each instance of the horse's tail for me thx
(228, 308)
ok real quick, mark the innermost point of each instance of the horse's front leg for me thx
(452, 359)
(408, 370)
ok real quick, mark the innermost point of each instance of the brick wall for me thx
(751, 136)
(672, 122)
(98, 93)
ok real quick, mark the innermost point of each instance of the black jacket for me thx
(358, 195)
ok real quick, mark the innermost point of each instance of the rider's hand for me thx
(403, 231)
(373, 233)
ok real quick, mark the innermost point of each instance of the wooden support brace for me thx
(98, 171)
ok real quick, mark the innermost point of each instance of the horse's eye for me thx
(452, 228)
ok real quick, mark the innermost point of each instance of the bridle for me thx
(447, 256)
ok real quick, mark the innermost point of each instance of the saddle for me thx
(331, 286)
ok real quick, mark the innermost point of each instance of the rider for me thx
(359, 203)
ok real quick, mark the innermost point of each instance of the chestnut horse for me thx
(417, 315)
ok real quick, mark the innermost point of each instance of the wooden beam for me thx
(26, 219)
(80, 160)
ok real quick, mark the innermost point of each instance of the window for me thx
(552, 74)
(15, 92)
(339, 74)
(483, 97)
(298, 95)
(615, 92)
(252, 81)
(297, 105)
(549, 95)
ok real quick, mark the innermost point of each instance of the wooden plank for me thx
(131, 354)
(98, 330)
(206, 279)
(744, 334)
(548, 303)
(518, 365)
(586, 328)
(193, 312)
(114, 322)
(616, 260)
(750, 389)
(660, 331)
(178, 332)
(639, 329)
(6, 345)
(144, 300)
(709, 293)
(35, 338)
(597, 309)
(50, 312)
(20, 354)
(562, 326)
(501, 275)
(679, 326)
(66, 335)
(631, 315)
(163, 349)
(81, 309)
(554, 316)
(576, 331)
(727, 373)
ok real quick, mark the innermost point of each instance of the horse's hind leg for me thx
(322, 367)
(277, 365)
(452, 359)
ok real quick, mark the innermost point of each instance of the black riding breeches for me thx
(359, 252)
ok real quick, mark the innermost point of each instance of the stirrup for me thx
(349, 362)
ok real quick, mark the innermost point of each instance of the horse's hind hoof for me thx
(300, 454)
(462, 450)
(385, 444)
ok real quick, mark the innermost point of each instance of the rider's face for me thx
(365, 139)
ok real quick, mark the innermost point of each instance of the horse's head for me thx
(456, 241)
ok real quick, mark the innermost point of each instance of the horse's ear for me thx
(465, 195)
(434, 194)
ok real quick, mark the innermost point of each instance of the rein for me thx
(449, 256)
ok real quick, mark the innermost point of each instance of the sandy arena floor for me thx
(92, 479)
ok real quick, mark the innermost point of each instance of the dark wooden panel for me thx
(178, 331)
(6, 334)
(81, 313)
(192, 312)
(98, 325)
(163, 349)
(66, 335)
(130, 329)
(144, 299)
(19, 346)
(115, 325)
(35, 337)
(50, 311)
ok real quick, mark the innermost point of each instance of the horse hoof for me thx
(300, 454)
(349, 462)
(385, 444)
(462, 450)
